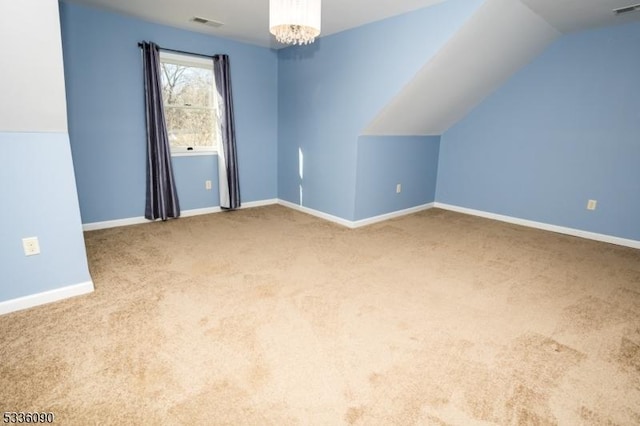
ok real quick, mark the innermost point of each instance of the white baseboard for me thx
(196, 212)
(37, 299)
(368, 221)
(185, 213)
(387, 216)
(544, 226)
(358, 223)
(94, 226)
(317, 213)
(252, 204)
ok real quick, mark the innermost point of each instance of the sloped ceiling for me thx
(501, 37)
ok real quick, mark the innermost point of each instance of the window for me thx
(188, 92)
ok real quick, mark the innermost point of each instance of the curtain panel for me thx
(227, 154)
(162, 197)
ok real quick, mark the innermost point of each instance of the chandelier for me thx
(295, 21)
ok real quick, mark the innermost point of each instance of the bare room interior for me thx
(358, 212)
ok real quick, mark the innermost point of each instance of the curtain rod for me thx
(182, 51)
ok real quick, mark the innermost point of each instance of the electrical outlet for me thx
(592, 204)
(31, 246)
(398, 188)
(207, 184)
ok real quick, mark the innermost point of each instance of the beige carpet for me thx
(268, 316)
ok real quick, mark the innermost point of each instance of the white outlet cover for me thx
(31, 246)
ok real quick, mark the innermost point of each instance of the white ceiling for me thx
(248, 20)
(575, 15)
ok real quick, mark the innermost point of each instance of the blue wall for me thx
(384, 162)
(330, 90)
(39, 199)
(563, 130)
(103, 72)
(191, 174)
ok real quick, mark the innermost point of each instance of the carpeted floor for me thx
(268, 316)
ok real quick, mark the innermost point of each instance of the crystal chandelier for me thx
(295, 21)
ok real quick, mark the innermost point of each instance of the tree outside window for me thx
(188, 90)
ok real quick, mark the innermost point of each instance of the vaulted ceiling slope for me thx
(500, 38)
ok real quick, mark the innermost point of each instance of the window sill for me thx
(193, 153)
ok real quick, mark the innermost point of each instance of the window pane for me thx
(189, 127)
(186, 86)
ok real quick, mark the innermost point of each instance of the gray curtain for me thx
(162, 197)
(227, 156)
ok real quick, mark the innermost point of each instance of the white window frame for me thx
(198, 62)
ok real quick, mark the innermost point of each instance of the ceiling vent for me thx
(205, 21)
(626, 9)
